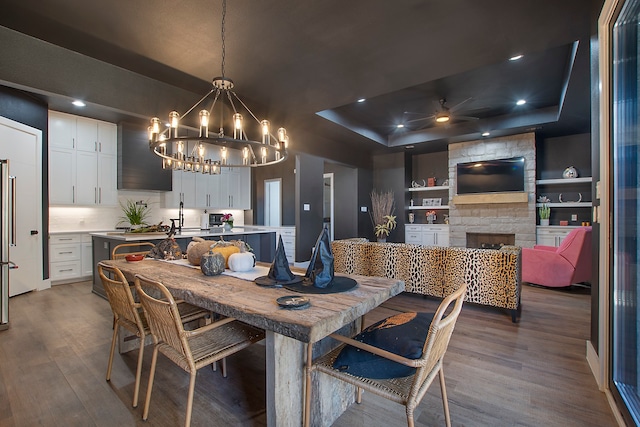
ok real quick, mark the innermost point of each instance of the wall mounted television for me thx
(490, 176)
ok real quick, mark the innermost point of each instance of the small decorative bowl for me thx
(134, 257)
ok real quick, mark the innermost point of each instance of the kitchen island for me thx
(262, 241)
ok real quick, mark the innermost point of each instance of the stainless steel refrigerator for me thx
(7, 237)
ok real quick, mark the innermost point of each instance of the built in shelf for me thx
(429, 208)
(437, 187)
(566, 205)
(581, 180)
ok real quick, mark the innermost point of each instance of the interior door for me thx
(22, 146)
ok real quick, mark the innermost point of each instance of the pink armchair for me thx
(562, 266)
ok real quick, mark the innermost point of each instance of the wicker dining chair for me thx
(128, 314)
(117, 252)
(409, 390)
(190, 350)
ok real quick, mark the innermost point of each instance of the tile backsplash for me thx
(98, 218)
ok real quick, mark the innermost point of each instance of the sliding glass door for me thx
(625, 174)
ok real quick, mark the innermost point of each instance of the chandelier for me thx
(195, 148)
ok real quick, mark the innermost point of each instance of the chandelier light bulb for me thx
(237, 126)
(223, 155)
(201, 150)
(204, 123)
(174, 121)
(264, 155)
(245, 156)
(265, 132)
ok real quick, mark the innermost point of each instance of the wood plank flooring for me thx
(53, 362)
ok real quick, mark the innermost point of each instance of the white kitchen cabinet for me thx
(427, 234)
(62, 176)
(552, 235)
(70, 257)
(231, 189)
(86, 257)
(83, 167)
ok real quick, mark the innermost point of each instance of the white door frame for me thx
(331, 202)
(268, 197)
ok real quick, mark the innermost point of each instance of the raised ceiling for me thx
(307, 63)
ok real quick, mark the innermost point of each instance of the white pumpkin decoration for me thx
(242, 261)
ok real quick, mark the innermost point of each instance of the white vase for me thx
(227, 226)
(544, 221)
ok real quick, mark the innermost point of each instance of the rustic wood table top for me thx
(257, 306)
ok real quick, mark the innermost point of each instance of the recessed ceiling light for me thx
(362, 99)
(486, 133)
(400, 126)
(79, 103)
(515, 58)
(410, 147)
(521, 102)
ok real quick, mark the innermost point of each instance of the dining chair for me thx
(190, 350)
(117, 252)
(406, 390)
(128, 314)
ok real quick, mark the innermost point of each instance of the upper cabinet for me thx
(82, 161)
(230, 189)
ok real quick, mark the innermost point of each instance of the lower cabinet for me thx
(427, 234)
(70, 257)
(552, 235)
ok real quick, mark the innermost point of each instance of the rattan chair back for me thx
(117, 252)
(125, 310)
(164, 320)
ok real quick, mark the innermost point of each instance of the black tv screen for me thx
(490, 176)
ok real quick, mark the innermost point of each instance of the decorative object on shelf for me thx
(446, 219)
(412, 217)
(135, 214)
(431, 182)
(564, 223)
(431, 217)
(426, 202)
(411, 202)
(414, 184)
(570, 172)
(269, 150)
(445, 183)
(382, 209)
(566, 201)
(437, 201)
(227, 221)
(544, 199)
(545, 212)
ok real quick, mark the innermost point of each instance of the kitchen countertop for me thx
(185, 234)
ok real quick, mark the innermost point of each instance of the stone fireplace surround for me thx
(491, 215)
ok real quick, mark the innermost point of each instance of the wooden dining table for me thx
(288, 332)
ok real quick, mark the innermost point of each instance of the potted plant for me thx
(227, 221)
(545, 212)
(382, 208)
(135, 214)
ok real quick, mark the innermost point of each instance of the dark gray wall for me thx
(365, 184)
(285, 171)
(345, 186)
(309, 190)
(32, 111)
(389, 174)
(138, 167)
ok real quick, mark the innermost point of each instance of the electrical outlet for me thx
(574, 217)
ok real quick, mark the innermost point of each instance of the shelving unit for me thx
(429, 208)
(419, 206)
(437, 187)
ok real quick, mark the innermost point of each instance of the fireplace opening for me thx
(489, 240)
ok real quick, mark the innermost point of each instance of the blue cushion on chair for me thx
(403, 334)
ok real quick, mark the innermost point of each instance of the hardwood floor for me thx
(53, 362)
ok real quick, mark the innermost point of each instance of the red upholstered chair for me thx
(562, 266)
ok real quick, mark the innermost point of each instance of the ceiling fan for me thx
(443, 114)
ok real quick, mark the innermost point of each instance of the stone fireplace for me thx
(490, 214)
(489, 240)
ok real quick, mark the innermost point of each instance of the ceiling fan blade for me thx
(459, 104)
(465, 118)
(420, 119)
